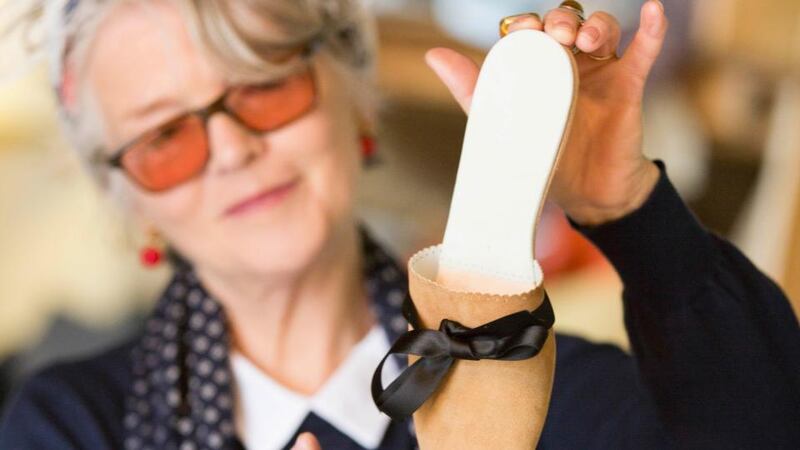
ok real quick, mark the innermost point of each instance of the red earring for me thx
(151, 254)
(368, 148)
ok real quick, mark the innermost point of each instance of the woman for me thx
(234, 130)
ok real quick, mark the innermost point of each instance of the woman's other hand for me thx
(306, 441)
(602, 174)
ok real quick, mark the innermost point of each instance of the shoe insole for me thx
(520, 114)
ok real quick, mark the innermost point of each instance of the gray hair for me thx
(228, 32)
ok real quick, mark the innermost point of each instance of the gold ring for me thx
(507, 21)
(574, 7)
(603, 58)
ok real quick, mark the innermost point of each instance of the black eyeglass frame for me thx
(305, 52)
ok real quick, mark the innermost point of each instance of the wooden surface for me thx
(761, 34)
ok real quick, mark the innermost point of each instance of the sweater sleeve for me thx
(716, 342)
(68, 405)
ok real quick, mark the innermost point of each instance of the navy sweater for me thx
(715, 363)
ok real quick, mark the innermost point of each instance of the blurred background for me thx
(722, 110)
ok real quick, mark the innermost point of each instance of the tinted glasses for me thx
(178, 150)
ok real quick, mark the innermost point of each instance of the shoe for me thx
(484, 275)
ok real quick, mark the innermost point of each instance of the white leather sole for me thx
(519, 118)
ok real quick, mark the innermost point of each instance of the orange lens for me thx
(173, 156)
(271, 106)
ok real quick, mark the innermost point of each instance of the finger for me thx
(306, 441)
(646, 45)
(562, 24)
(458, 72)
(528, 21)
(600, 35)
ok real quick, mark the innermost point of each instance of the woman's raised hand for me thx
(602, 174)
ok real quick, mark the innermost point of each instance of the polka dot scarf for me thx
(181, 395)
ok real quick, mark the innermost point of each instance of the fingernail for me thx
(513, 23)
(660, 5)
(590, 33)
(654, 24)
(429, 60)
(523, 21)
(516, 25)
(563, 32)
(530, 15)
(563, 25)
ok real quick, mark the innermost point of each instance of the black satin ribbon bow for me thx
(514, 337)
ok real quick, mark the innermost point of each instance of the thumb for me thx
(306, 441)
(457, 71)
(646, 45)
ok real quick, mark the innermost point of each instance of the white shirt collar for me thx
(267, 414)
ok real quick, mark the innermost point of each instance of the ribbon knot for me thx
(517, 336)
(458, 346)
